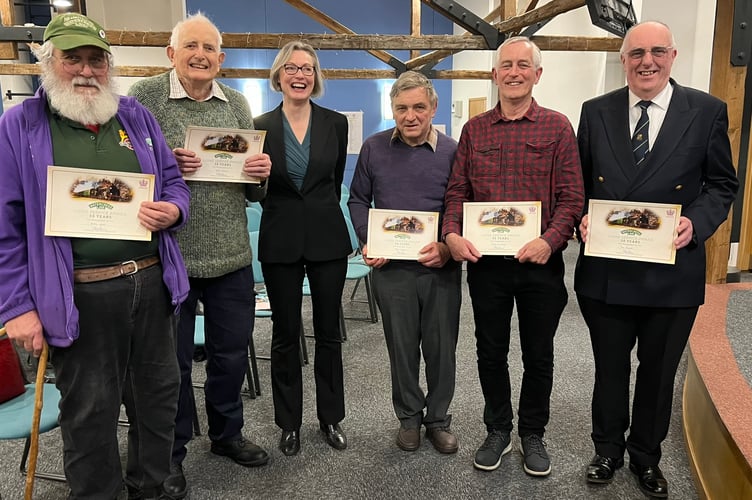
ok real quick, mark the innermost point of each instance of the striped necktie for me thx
(640, 143)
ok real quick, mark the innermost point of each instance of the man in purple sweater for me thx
(407, 168)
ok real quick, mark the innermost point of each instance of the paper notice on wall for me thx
(355, 136)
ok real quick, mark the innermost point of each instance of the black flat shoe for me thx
(289, 443)
(601, 469)
(334, 436)
(651, 480)
(175, 486)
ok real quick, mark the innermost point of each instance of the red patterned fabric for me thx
(11, 381)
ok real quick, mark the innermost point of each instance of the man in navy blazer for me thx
(683, 156)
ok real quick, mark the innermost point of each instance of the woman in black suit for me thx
(303, 232)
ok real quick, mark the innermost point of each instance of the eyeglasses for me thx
(75, 64)
(656, 52)
(291, 69)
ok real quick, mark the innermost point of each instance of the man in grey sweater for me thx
(215, 243)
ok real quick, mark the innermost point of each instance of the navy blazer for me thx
(690, 164)
(305, 223)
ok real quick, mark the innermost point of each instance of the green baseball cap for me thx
(71, 30)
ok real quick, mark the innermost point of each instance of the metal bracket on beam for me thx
(399, 66)
(741, 35)
(472, 23)
(22, 33)
(534, 28)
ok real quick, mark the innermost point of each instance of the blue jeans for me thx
(228, 322)
(124, 354)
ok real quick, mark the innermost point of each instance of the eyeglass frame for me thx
(77, 67)
(657, 52)
(304, 70)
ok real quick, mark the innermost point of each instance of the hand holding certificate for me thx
(400, 234)
(632, 230)
(223, 152)
(85, 203)
(501, 228)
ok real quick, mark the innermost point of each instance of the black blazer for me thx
(690, 164)
(308, 222)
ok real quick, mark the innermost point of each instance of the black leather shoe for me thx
(241, 451)
(651, 480)
(601, 469)
(289, 443)
(334, 436)
(175, 486)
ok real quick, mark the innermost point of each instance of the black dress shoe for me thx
(334, 436)
(241, 451)
(175, 486)
(289, 443)
(601, 469)
(651, 480)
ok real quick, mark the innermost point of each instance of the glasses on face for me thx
(656, 52)
(75, 64)
(291, 69)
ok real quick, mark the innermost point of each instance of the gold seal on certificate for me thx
(632, 230)
(223, 152)
(501, 228)
(400, 234)
(85, 203)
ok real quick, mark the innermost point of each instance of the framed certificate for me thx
(501, 228)
(85, 203)
(400, 234)
(223, 152)
(632, 230)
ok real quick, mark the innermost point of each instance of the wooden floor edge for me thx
(719, 468)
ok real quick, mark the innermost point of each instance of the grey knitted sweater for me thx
(215, 240)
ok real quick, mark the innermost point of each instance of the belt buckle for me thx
(135, 268)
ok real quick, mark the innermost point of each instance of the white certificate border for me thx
(372, 212)
(197, 176)
(476, 206)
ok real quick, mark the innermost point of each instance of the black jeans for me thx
(495, 285)
(125, 354)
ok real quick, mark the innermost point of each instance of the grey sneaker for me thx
(536, 461)
(488, 456)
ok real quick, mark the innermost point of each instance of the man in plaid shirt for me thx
(517, 151)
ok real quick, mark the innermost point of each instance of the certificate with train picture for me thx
(223, 152)
(500, 227)
(400, 234)
(86, 203)
(632, 230)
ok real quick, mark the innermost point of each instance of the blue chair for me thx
(253, 215)
(357, 270)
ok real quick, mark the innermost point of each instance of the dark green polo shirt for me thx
(74, 145)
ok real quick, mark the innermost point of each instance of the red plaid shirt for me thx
(530, 159)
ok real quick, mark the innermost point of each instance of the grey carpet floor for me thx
(373, 467)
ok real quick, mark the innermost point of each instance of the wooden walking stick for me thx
(38, 401)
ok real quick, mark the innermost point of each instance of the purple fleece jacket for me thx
(36, 271)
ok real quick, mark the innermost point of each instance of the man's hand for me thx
(26, 331)
(188, 161)
(435, 254)
(685, 232)
(537, 251)
(584, 227)
(378, 262)
(158, 215)
(258, 166)
(461, 249)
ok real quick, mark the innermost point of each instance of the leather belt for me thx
(92, 274)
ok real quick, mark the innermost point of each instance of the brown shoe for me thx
(442, 439)
(408, 439)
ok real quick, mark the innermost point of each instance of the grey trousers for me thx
(420, 310)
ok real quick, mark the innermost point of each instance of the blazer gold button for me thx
(600, 178)
(679, 187)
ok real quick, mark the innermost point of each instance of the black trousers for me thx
(496, 284)
(284, 285)
(661, 335)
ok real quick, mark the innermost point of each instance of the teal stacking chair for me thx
(253, 214)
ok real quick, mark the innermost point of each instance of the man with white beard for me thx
(105, 306)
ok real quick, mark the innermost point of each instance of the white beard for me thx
(88, 109)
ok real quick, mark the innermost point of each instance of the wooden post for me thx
(8, 50)
(727, 83)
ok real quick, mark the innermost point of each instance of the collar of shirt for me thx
(661, 100)
(431, 140)
(178, 92)
(656, 112)
(530, 114)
